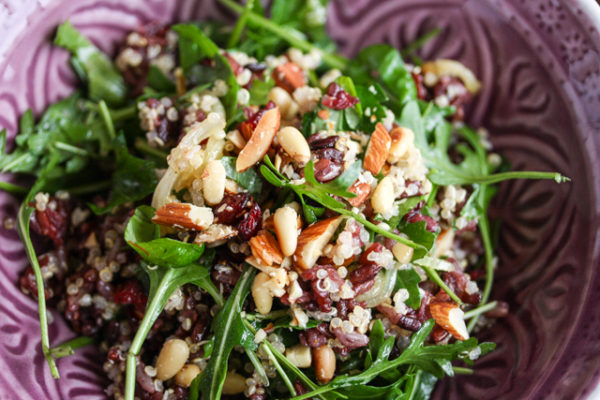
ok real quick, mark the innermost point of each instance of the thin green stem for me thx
(333, 60)
(480, 310)
(240, 25)
(68, 348)
(90, 188)
(434, 276)
(105, 113)
(484, 228)
(71, 149)
(420, 41)
(415, 384)
(284, 377)
(462, 371)
(145, 148)
(12, 188)
(23, 219)
(153, 310)
(504, 176)
(258, 367)
(124, 113)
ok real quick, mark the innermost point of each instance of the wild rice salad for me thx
(242, 213)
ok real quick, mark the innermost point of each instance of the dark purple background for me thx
(540, 66)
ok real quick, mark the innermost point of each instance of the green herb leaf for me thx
(409, 280)
(249, 179)
(103, 80)
(229, 331)
(133, 179)
(159, 81)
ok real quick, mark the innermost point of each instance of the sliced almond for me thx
(444, 242)
(377, 149)
(454, 69)
(215, 233)
(312, 240)
(289, 76)
(450, 317)
(184, 216)
(261, 140)
(264, 246)
(362, 191)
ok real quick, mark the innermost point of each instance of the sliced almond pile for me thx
(289, 76)
(184, 216)
(450, 317)
(377, 149)
(261, 140)
(312, 240)
(362, 191)
(265, 248)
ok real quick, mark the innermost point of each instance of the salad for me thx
(240, 212)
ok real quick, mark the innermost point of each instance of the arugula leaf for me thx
(404, 206)
(195, 46)
(229, 330)
(96, 68)
(431, 359)
(319, 193)
(259, 91)
(409, 280)
(143, 236)
(249, 179)
(417, 232)
(159, 81)
(379, 348)
(164, 280)
(133, 179)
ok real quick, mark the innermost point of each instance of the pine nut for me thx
(402, 252)
(324, 363)
(294, 143)
(402, 140)
(187, 374)
(284, 101)
(286, 227)
(171, 358)
(383, 196)
(234, 383)
(299, 355)
(260, 293)
(213, 181)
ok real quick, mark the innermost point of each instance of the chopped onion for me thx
(381, 290)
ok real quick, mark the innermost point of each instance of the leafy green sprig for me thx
(322, 194)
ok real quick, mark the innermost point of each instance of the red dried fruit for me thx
(415, 215)
(317, 142)
(326, 170)
(333, 155)
(131, 292)
(421, 90)
(363, 287)
(251, 223)
(231, 208)
(337, 98)
(351, 340)
(374, 248)
(365, 273)
(53, 221)
(315, 337)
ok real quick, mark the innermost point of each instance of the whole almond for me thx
(312, 240)
(377, 149)
(260, 141)
(450, 317)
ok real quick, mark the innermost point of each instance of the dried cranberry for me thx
(225, 275)
(326, 170)
(317, 142)
(351, 340)
(421, 90)
(337, 98)
(231, 208)
(248, 126)
(53, 221)
(374, 248)
(346, 306)
(365, 273)
(315, 337)
(131, 292)
(409, 323)
(330, 154)
(300, 388)
(251, 223)
(457, 281)
(114, 354)
(438, 334)
(415, 216)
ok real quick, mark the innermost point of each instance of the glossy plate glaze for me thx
(539, 62)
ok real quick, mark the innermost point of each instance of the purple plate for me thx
(539, 61)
